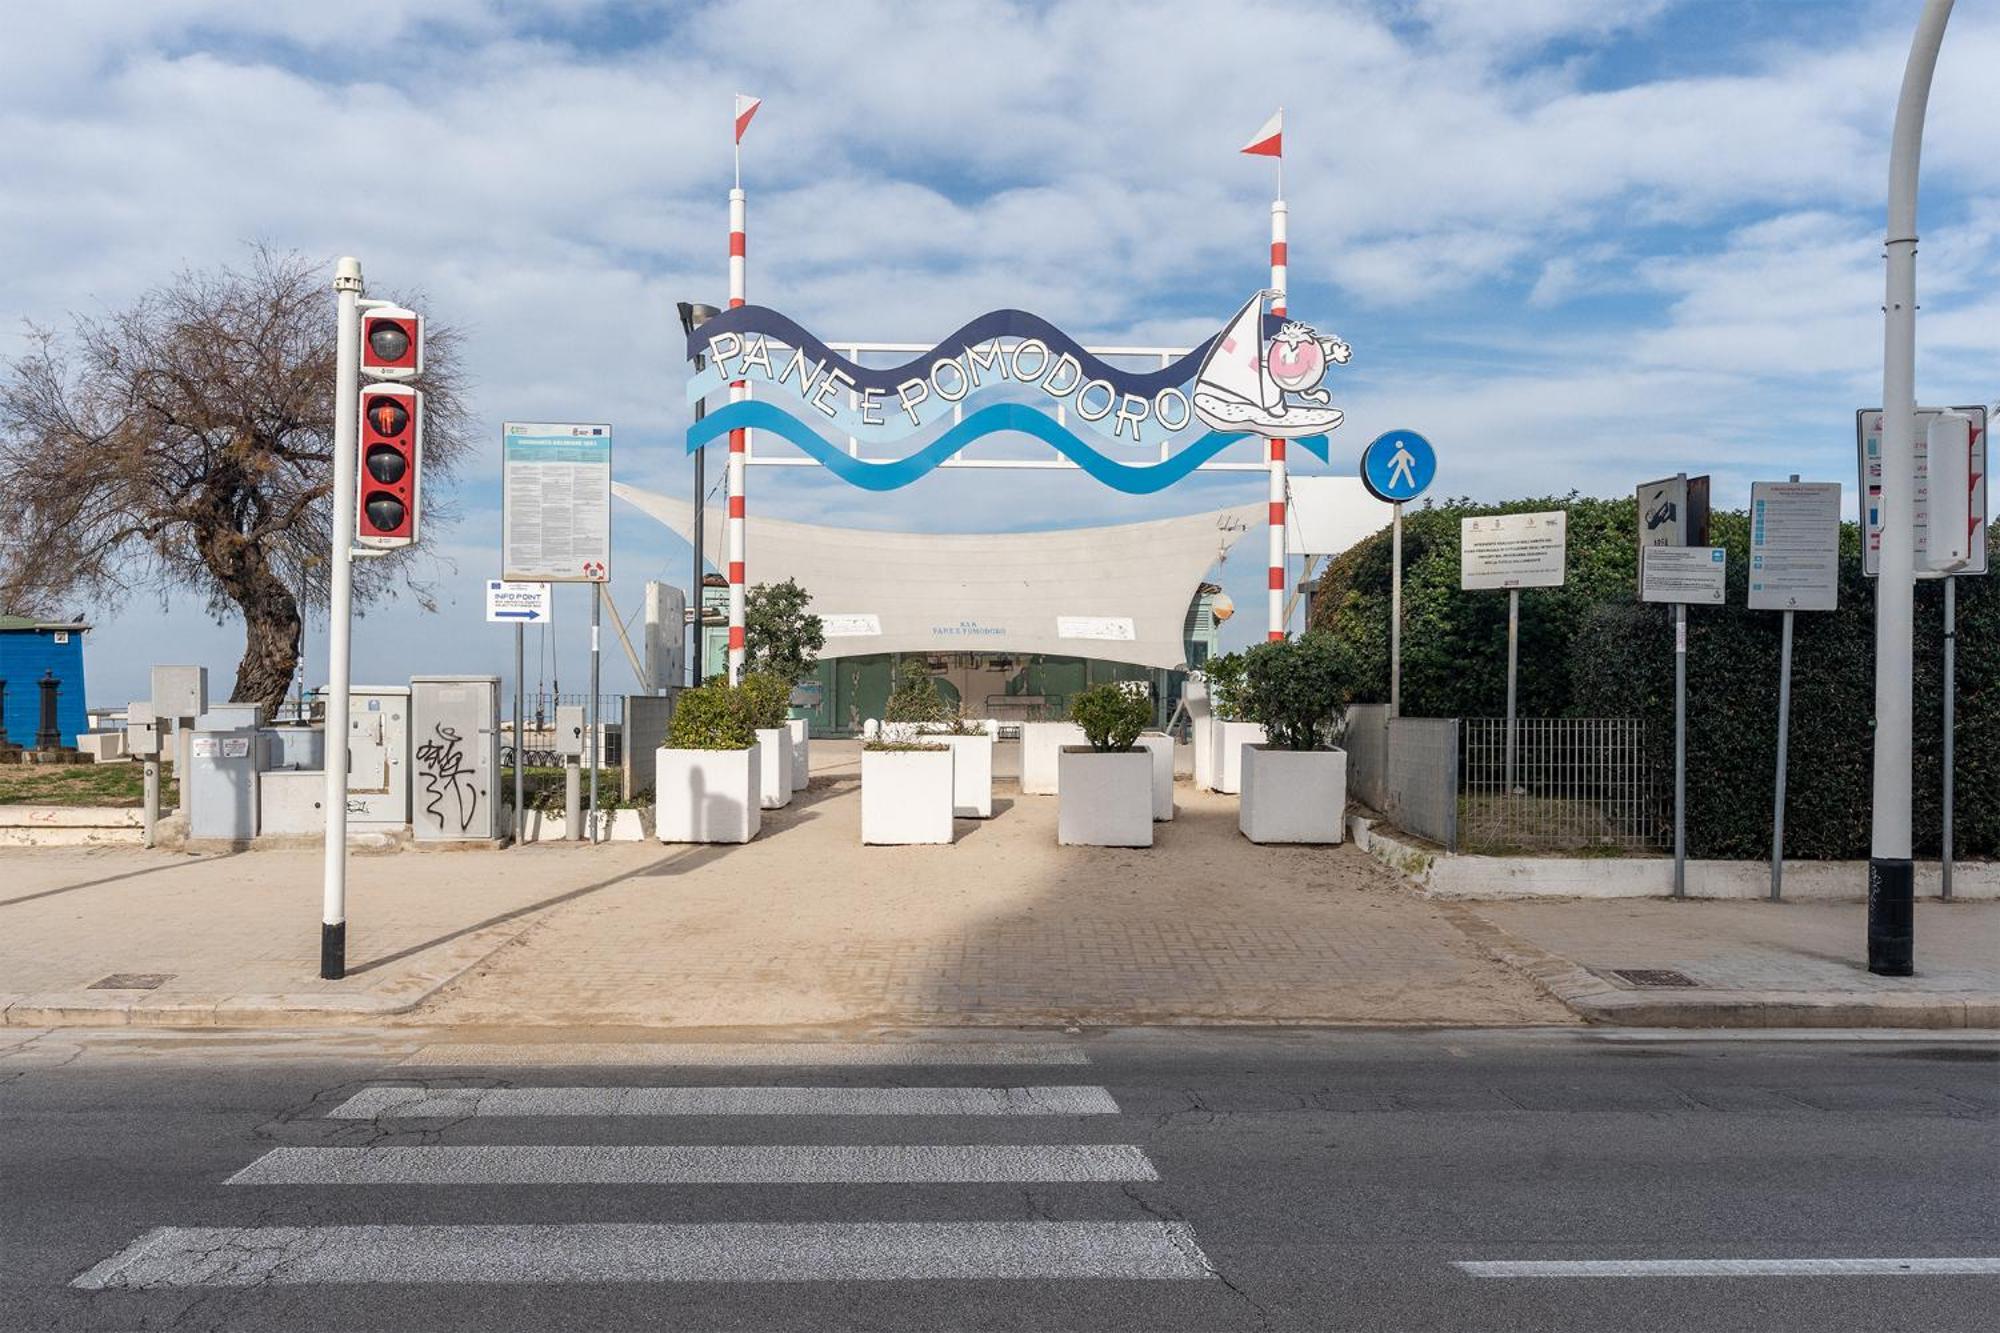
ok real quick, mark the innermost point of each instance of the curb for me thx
(397, 995)
(1596, 1000)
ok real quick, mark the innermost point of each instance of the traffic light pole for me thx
(340, 608)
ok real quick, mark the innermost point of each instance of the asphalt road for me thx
(1188, 1179)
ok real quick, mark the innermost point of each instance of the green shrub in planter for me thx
(767, 697)
(1111, 716)
(1224, 676)
(916, 699)
(1299, 689)
(780, 635)
(711, 717)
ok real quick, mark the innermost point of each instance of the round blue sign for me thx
(1400, 465)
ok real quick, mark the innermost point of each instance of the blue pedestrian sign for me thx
(1400, 465)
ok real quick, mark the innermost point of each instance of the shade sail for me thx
(1116, 593)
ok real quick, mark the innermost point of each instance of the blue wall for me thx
(24, 656)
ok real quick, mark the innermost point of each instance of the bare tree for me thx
(186, 443)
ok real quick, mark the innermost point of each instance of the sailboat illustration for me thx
(1242, 384)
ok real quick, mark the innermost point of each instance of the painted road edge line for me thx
(752, 1054)
(378, 1102)
(1546, 1268)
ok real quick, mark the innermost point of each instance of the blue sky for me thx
(1576, 244)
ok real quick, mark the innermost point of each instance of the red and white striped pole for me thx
(739, 440)
(1277, 447)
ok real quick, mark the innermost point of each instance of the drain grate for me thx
(132, 981)
(1653, 977)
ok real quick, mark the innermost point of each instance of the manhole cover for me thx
(1653, 977)
(131, 981)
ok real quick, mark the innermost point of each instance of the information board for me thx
(1697, 574)
(521, 603)
(1794, 545)
(1868, 431)
(1512, 550)
(555, 482)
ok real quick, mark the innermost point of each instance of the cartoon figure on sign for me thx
(1243, 384)
(441, 765)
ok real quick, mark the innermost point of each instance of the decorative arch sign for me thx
(1260, 377)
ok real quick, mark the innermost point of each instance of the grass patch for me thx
(84, 784)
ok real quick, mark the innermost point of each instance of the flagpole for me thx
(739, 440)
(1280, 264)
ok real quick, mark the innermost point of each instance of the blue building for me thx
(29, 650)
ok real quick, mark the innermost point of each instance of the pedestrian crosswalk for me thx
(801, 1151)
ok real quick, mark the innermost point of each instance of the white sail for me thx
(1234, 390)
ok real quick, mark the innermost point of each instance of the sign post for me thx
(1512, 551)
(340, 617)
(520, 604)
(1680, 575)
(1397, 467)
(1794, 566)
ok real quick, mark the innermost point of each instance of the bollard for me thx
(572, 800)
(152, 800)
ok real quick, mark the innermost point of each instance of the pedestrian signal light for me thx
(392, 447)
(392, 343)
(1949, 523)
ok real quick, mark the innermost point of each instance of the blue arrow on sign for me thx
(518, 615)
(1398, 466)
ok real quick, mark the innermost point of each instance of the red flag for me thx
(1269, 141)
(746, 107)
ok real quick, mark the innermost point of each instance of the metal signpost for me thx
(1680, 575)
(520, 604)
(1397, 467)
(1794, 566)
(555, 482)
(1512, 551)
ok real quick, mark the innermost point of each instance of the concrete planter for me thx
(774, 772)
(1202, 733)
(1161, 747)
(1105, 800)
(1293, 795)
(1230, 738)
(707, 795)
(801, 751)
(906, 796)
(971, 774)
(1040, 743)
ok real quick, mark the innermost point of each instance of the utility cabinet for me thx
(378, 756)
(455, 773)
(222, 784)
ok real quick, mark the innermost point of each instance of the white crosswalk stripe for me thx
(846, 1249)
(1547, 1268)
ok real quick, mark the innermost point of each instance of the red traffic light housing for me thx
(388, 498)
(392, 343)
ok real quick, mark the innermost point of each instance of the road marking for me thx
(753, 1054)
(455, 1103)
(688, 1252)
(759, 1164)
(1730, 1267)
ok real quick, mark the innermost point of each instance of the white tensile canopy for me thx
(1115, 594)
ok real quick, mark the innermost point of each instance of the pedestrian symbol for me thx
(1398, 466)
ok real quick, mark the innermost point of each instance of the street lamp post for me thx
(693, 316)
(1891, 890)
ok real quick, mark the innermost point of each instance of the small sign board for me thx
(841, 625)
(517, 603)
(1117, 629)
(1868, 433)
(1673, 511)
(555, 507)
(1512, 550)
(1794, 545)
(1696, 574)
(1398, 466)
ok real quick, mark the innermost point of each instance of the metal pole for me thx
(346, 411)
(596, 607)
(700, 572)
(1784, 745)
(1680, 747)
(1891, 891)
(1513, 653)
(1396, 610)
(1950, 709)
(520, 730)
(152, 800)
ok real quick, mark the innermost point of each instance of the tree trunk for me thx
(271, 632)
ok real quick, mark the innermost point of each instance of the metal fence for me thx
(1406, 768)
(1558, 784)
(540, 731)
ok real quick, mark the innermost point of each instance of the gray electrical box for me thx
(222, 784)
(142, 732)
(569, 731)
(378, 756)
(455, 776)
(180, 691)
(666, 636)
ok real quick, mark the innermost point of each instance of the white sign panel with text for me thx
(1512, 550)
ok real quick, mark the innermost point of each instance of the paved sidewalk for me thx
(1752, 964)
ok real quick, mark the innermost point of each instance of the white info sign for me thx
(1971, 510)
(1512, 550)
(1696, 574)
(555, 483)
(1794, 545)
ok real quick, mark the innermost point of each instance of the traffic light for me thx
(392, 343)
(392, 456)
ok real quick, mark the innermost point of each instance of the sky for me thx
(1575, 244)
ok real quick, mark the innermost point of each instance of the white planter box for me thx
(707, 795)
(774, 782)
(906, 796)
(1293, 795)
(1161, 747)
(1040, 744)
(1202, 732)
(801, 751)
(971, 775)
(1230, 738)
(1106, 800)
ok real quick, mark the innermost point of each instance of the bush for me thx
(711, 717)
(1224, 677)
(916, 700)
(767, 697)
(779, 635)
(1111, 716)
(1299, 689)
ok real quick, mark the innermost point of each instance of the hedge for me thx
(1590, 649)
